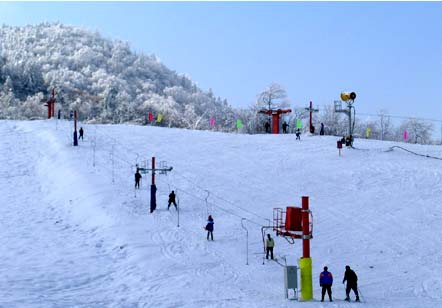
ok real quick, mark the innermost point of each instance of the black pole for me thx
(153, 198)
(75, 138)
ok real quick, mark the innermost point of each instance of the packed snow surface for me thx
(75, 232)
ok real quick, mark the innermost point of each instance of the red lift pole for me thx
(51, 105)
(275, 113)
(311, 110)
(305, 213)
(153, 170)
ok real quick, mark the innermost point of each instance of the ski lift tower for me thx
(310, 109)
(51, 104)
(153, 189)
(275, 113)
(297, 223)
(349, 99)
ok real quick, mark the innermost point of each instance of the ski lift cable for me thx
(118, 142)
(418, 154)
(196, 185)
(217, 206)
(217, 196)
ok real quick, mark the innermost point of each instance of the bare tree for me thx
(419, 131)
(273, 97)
(333, 122)
(385, 126)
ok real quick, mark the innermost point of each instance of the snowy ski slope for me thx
(75, 233)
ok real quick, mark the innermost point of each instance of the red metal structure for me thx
(295, 223)
(275, 113)
(51, 105)
(311, 110)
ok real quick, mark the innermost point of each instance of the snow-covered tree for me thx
(102, 79)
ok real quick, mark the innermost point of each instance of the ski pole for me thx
(360, 294)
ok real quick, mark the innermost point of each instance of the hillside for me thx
(101, 78)
(76, 234)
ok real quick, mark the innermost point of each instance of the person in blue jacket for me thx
(326, 282)
(209, 227)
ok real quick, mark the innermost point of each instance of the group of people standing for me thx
(326, 282)
(285, 126)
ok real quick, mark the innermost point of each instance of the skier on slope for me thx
(209, 227)
(298, 134)
(81, 133)
(352, 283)
(270, 244)
(172, 200)
(137, 179)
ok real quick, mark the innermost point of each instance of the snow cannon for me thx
(346, 96)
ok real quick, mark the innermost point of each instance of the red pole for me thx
(275, 123)
(153, 170)
(311, 110)
(305, 228)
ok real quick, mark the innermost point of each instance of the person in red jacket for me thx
(326, 282)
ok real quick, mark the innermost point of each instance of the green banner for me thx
(238, 124)
(299, 124)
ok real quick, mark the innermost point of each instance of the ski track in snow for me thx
(78, 235)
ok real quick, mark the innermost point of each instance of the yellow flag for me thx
(159, 118)
(368, 132)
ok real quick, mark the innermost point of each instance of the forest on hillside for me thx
(106, 82)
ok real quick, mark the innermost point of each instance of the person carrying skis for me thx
(284, 127)
(209, 227)
(326, 282)
(137, 179)
(81, 133)
(172, 200)
(270, 243)
(352, 283)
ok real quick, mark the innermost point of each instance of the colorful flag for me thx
(299, 123)
(159, 118)
(212, 121)
(368, 132)
(238, 124)
(150, 117)
(405, 135)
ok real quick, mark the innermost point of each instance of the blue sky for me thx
(389, 53)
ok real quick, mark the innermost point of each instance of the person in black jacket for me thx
(209, 227)
(352, 283)
(81, 133)
(267, 127)
(284, 127)
(137, 179)
(172, 200)
(298, 134)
